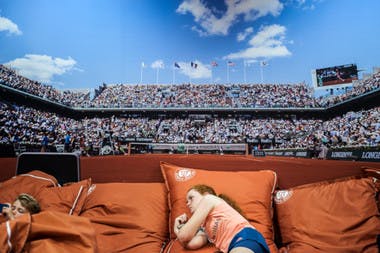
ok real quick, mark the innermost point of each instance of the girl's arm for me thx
(198, 241)
(190, 229)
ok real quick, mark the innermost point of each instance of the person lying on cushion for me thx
(24, 203)
(216, 219)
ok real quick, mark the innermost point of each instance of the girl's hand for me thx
(181, 219)
(179, 222)
(7, 212)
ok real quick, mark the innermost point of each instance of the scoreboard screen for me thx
(336, 75)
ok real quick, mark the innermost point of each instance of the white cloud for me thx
(212, 24)
(8, 25)
(196, 7)
(267, 43)
(202, 70)
(158, 64)
(41, 68)
(199, 31)
(309, 7)
(304, 4)
(267, 36)
(241, 36)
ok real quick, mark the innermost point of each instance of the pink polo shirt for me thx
(222, 224)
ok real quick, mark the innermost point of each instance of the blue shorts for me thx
(251, 239)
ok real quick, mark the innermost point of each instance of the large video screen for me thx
(336, 75)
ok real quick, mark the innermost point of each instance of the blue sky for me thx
(75, 44)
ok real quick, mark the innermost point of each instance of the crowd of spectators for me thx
(10, 78)
(362, 87)
(188, 95)
(206, 96)
(353, 129)
(19, 124)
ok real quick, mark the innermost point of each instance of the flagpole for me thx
(228, 72)
(262, 76)
(157, 75)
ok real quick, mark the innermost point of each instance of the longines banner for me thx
(259, 153)
(359, 155)
(303, 153)
(209, 147)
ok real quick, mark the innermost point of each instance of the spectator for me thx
(44, 142)
(68, 142)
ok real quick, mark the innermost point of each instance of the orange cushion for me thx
(128, 217)
(57, 232)
(67, 199)
(15, 233)
(31, 183)
(338, 216)
(252, 191)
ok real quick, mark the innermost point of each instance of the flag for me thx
(143, 65)
(263, 63)
(194, 65)
(214, 64)
(230, 63)
(176, 65)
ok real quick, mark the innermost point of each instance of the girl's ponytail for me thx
(232, 203)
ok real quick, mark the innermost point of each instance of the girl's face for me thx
(193, 199)
(18, 209)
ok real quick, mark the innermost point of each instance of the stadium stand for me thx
(188, 95)
(98, 123)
